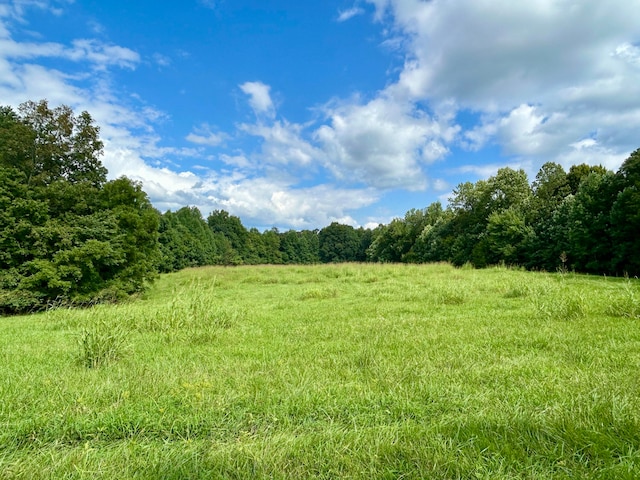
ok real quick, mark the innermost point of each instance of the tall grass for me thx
(626, 302)
(101, 344)
(334, 371)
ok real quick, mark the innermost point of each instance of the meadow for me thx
(330, 371)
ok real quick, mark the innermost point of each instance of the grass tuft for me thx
(101, 344)
(450, 296)
(520, 289)
(561, 304)
(625, 304)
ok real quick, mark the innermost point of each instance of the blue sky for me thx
(298, 113)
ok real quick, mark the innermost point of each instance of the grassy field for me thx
(332, 371)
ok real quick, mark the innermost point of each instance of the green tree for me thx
(186, 240)
(61, 146)
(577, 173)
(230, 227)
(16, 141)
(433, 243)
(338, 243)
(508, 237)
(271, 241)
(101, 248)
(366, 239)
(291, 247)
(396, 242)
(625, 217)
(263, 248)
(589, 224)
(137, 223)
(472, 206)
(390, 242)
(550, 188)
(67, 235)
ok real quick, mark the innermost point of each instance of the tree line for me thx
(67, 235)
(585, 220)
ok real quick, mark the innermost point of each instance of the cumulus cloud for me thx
(629, 53)
(522, 131)
(543, 74)
(259, 97)
(591, 152)
(499, 53)
(264, 201)
(19, 83)
(383, 142)
(259, 200)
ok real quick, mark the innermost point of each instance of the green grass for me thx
(334, 371)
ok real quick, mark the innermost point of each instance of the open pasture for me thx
(330, 371)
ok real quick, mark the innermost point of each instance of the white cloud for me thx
(440, 185)
(17, 9)
(501, 53)
(589, 151)
(100, 54)
(348, 14)
(629, 53)
(282, 143)
(203, 135)
(26, 82)
(161, 60)
(238, 161)
(520, 132)
(259, 98)
(543, 74)
(267, 202)
(261, 201)
(103, 55)
(384, 142)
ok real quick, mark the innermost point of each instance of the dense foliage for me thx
(67, 235)
(587, 220)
